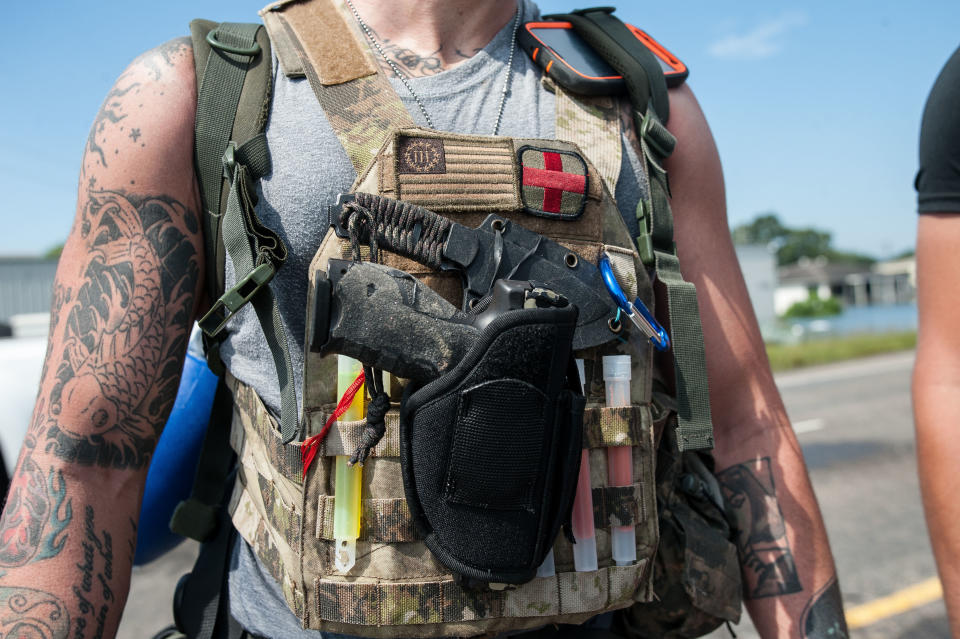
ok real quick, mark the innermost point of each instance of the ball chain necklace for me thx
(404, 78)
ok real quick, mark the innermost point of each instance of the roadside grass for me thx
(823, 351)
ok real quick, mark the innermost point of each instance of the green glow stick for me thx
(346, 492)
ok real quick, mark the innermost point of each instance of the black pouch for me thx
(491, 451)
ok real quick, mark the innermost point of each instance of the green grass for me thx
(823, 351)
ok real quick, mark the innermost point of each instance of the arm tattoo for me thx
(132, 541)
(96, 578)
(25, 612)
(118, 374)
(823, 616)
(118, 104)
(768, 566)
(112, 111)
(163, 58)
(37, 513)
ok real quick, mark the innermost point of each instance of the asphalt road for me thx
(854, 423)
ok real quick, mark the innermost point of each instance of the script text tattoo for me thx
(96, 579)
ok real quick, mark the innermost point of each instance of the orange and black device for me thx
(573, 64)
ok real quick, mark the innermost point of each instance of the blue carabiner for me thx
(637, 312)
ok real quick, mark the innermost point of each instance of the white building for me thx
(759, 265)
(26, 287)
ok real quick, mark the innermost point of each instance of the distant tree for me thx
(764, 228)
(54, 253)
(803, 243)
(813, 306)
(792, 244)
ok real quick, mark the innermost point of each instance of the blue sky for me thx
(815, 106)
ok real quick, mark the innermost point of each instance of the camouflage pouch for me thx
(696, 576)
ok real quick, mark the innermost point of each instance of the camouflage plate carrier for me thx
(397, 588)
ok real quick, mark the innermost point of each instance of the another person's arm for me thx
(936, 376)
(936, 395)
(126, 292)
(790, 583)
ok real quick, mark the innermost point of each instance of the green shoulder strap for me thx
(234, 71)
(647, 89)
(233, 67)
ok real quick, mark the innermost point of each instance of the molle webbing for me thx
(389, 520)
(279, 512)
(357, 98)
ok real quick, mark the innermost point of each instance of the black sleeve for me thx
(938, 180)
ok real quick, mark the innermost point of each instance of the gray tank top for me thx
(309, 169)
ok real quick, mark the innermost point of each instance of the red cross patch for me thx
(554, 183)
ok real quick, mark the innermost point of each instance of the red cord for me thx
(309, 447)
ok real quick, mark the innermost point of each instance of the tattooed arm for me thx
(125, 295)
(789, 578)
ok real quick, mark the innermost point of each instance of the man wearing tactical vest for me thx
(413, 186)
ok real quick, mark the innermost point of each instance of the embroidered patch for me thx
(421, 155)
(554, 183)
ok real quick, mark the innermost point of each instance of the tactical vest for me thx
(282, 501)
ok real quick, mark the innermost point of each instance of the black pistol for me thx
(388, 319)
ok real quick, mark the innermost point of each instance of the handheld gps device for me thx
(573, 64)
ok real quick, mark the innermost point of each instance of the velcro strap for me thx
(255, 155)
(384, 520)
(389, 520)
(344, 437)
(618, 506)
(615, 426)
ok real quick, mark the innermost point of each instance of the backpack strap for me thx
(234, 69)
(647, 89)
(320, 40)
(233, 99)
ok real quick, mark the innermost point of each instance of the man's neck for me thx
(425, 37)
